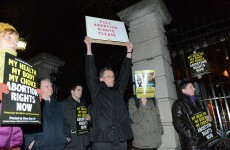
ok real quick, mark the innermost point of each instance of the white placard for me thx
(104, 29)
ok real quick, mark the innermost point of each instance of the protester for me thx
(111, 122)
(182, 110)
(80, 141)
(10, 136)
(56, 130)
(146, 123)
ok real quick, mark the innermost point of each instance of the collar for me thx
(12, 52)
(46, 99)
(74, 100)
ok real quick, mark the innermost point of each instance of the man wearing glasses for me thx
(111, 122)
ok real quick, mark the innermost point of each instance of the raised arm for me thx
(129, 50)
(88, 45)
(125, 69)
(91, 71)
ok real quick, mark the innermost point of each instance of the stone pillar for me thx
(146, 21)
(46, 64)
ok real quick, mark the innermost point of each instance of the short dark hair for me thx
(184, 84)
(74, 85)
(101, 73)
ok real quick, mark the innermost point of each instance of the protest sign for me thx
(198, 64)
(106, 31)
(21, 105)
(205, 129)
(82, 123)
(145, 83)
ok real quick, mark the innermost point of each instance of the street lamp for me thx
(21, 44)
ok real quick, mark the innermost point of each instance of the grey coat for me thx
(146, 125)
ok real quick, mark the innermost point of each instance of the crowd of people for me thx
(111, 122)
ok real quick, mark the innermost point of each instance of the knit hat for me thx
(4, 26)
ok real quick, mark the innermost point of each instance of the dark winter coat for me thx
(182, 110)
(55, 128)
(78, 141)
(110, 114)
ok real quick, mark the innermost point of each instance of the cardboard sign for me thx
(205, 129)
(21, 105)
(145, 83)
(106, 31)
(198, 64)
(82, 123)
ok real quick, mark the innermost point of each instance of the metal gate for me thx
(214, 92)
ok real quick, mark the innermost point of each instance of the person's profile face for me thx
(189, 90)
(77, 93)
(108, 78)
(8, 41)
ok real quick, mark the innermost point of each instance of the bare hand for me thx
(88, 117)
(3, 89)
(87, 41)
(143, 101)
(88, 44)
(129, 47)
(39, 91)
(209, 118)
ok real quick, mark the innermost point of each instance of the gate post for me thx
(146, 21)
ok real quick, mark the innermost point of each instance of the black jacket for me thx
(110, 114)
(182, 110)
(69, 106)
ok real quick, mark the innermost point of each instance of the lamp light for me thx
(21, 44)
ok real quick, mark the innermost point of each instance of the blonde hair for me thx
(4, 26)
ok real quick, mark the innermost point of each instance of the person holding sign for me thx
(56, 131)
(182, 112)
(10, 137)
(111, 122)
(75, 110)
(146, 123)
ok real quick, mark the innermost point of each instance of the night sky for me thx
(58, 27)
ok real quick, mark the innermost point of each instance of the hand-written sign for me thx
(82, 123)
(205, 129)
(104, 30)
(145, 83)
(198, 64)
(21, 105)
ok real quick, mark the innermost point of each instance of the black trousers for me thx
(115, 145)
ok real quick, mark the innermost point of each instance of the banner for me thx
(82, 123)
(205, 129)
(106, 31)
(21, 105)
(145, 83)
(198, 64)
